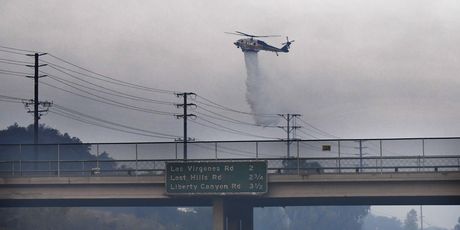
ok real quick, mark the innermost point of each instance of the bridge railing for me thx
(304, 157)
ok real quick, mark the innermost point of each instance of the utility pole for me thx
(184, 116)
(361, 154)
(421, 217)
(289, 128)
(36, 111)
(40, 107)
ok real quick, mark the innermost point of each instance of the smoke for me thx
(258, 94)
(286, 219)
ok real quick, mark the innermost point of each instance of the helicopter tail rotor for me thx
(287, 43)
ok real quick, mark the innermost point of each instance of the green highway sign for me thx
(216, 178)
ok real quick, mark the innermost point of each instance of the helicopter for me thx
(254, 45)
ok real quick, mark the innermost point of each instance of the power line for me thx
(230, 130)
(219, 106)
(238, 151)
(14, 63)
(112, 80)
(230, 151)
(11, 74)
(107, 100)
(69, 116)
(12, 52)
(6, 98)
(237, 131)
(209, 148)
(17, 49)
(212, 127)
(59, 68)
(13, 98)
(322, 132)
(77, 113)
(111, 91)
(305, 133)
(132, 97)
(14, 72)
(12, 101)
(228, 119)
(222, 119)
(16, 75)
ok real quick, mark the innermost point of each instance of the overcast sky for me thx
(357, 68)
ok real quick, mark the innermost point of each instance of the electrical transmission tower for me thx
(40, 107)
(185, 116)
(289, 128)
(361, 154)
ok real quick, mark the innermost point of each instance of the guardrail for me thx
(305, 156)
(299, 166)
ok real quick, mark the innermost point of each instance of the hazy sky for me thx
(358, 68)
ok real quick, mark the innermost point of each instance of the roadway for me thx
(397, 188)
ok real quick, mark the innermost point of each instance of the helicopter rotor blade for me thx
(245, 34)
(257, 36)
(233, 33)
(266, 36)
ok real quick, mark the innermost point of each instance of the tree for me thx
(77, 218)
(372, 222)
(311, 217)
(292, 165)
(457, 226)
(16, 134)
(410, 223)
(15, 146)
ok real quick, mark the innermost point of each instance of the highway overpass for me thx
(431, 176)
(427, 188)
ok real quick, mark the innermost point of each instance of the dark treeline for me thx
(47, 155)
(16, 134)
(295, 218)
(104, 218)
(289, 218)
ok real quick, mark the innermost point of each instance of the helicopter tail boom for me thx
(285, 48)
